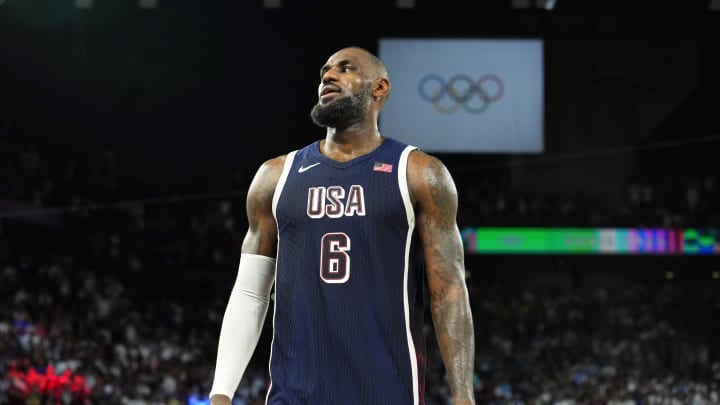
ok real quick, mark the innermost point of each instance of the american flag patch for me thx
(382, 167)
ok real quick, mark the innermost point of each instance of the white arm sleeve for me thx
(243, 321)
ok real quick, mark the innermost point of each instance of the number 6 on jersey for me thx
(334, 260)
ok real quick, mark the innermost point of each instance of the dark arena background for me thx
(129, 131)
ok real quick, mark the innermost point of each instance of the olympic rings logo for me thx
(474, 96)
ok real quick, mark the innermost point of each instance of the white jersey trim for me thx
(289, 159)
(281, 181)
(405, 193)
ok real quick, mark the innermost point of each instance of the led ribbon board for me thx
(598, 241)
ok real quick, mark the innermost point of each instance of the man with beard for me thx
(354, 230)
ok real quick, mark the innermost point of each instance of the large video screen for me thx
(465, 95)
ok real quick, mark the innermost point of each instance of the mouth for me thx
(329, 89)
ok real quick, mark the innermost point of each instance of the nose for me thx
(329, 76)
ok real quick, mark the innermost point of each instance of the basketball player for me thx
(351, 230)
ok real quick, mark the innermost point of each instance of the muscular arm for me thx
(261, 237)
(435, 199)
(248, 301)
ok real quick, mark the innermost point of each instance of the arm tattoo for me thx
(449, 302)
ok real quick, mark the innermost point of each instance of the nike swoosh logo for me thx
(306, 168)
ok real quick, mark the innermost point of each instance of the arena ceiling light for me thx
(520, 3)
(546, 4)
(148, 4)
(272, 3)
(525, 4)
(405, 3)
(84, 4)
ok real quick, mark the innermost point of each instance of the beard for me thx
(344, 111)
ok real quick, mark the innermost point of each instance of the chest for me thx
(326, 194)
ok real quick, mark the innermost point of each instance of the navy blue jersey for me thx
(349, 301)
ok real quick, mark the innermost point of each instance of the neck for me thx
(349, 143)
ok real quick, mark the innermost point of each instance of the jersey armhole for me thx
(403, 183)
(281, 181)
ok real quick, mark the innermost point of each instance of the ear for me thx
(381, 88)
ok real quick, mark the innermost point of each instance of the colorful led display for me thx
(610, 241)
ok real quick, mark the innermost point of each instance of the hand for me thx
(464, 401)
(219, 399)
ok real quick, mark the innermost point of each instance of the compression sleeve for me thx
(243, 321)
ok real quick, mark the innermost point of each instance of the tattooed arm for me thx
(435, 200)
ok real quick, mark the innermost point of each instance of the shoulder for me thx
(425, 169)
(428, 177)
(274, 165)
(270, 170)
(422, 160)
(266, 177)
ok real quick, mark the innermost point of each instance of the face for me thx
(345, 90)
